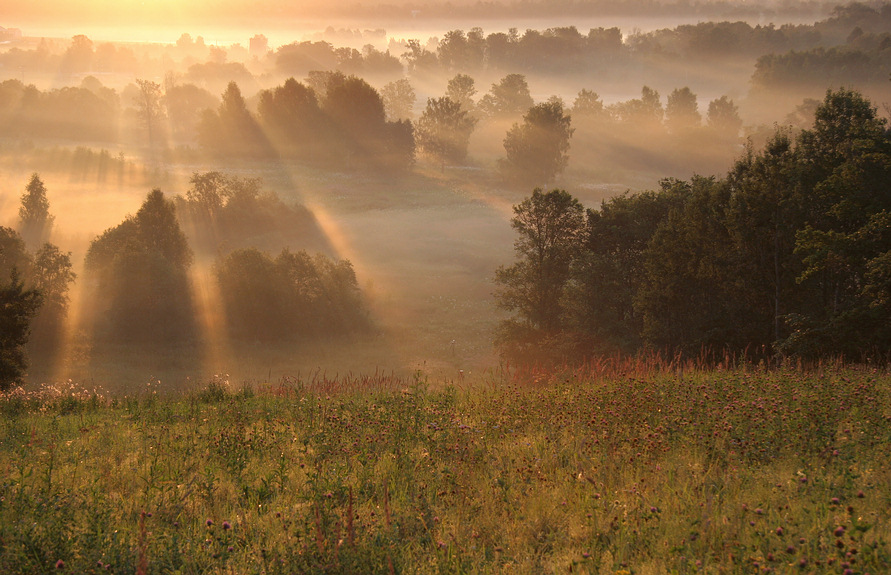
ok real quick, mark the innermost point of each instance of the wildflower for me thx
(209, 522)
(60, 564)
(780, 531)
(839, 531)
(834, 501)
(226, 525)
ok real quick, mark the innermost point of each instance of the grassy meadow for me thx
(615, 468)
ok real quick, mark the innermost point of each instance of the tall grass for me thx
(614, 467)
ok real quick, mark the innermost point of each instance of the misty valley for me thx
(498, 297)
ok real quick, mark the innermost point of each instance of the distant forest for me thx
(257, 101)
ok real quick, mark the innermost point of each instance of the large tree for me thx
(138, 273)
(550, 226)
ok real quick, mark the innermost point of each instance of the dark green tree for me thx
(550, 227)
(767, 207)
(610, 270)
(18, 306)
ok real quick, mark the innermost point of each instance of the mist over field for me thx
(522, 286)
(335, 183)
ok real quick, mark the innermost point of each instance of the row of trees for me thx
(138, 275)
(789, 253)
(566, 49)
(346, 126)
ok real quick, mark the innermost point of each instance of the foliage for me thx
(550, 226)
(443, 130)
(18, 306)
(52, 277)
(232, 131)
(785, 255)
(399, 99)
(509, 97)
(537, 150)
(290, 297)
(138, 272)
(461, 89)
(682, 111)
(149, 108)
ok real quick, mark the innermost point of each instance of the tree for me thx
(766, 209)
(509, 97)
(443, 130)
(292, 296)
(399, 99)
(538, 149)
(461, 89)
(184, 104)
(78, 57)
(550, 226)
(149, 108)
(588, 105)
(14, 255)
(644, 113)
(723, 117)
(682, 111)
(291, 115)
(232, 131)
(35, 221)
(17, 306)
(52, 277)
(361, 130)
(608, 274)
(139, 275)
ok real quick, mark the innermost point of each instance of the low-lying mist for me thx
(339, 202)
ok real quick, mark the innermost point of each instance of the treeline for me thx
(344, 125)
(138, 276)
(789, 253)
(71, 113)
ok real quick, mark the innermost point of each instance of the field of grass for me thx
(609, 469)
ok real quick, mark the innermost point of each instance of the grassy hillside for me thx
(611, 469)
